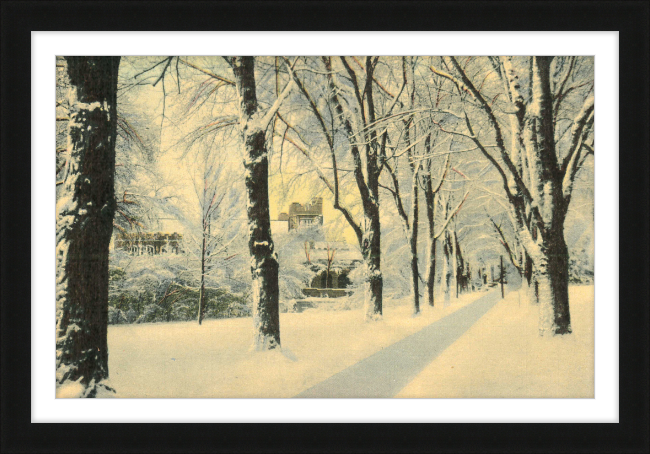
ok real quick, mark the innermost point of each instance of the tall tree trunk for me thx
(371, 251)
(84, 226)
(501, 276)
(552, 276)
(374, 300)
(431, 271)
(264, 263)
(431, 274)
(457, 261)
(369, 235)
(550, 255)
(529, 279)
(202, 289)
(413, 240)
(453, 264)
(430, 200)
(447, 270)
(415, 202)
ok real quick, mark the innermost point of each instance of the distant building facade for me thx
(304, 216)
(148, 243)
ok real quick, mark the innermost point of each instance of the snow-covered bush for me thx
(131, 316)
(116, 316)
(152, 313)
(145, 289)
(357, 278)
(581, 268)
(182, 313)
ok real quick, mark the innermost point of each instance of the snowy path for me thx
(386, 372)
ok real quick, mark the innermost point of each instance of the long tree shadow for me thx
(386, 372)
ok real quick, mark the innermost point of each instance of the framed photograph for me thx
(370, 231)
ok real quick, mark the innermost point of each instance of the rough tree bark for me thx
(551, 258)
(454, 260)
(413, 240)
(431, 272)
(429, 197)
(84, 226)
(447, 269)
(371, 252)
(529, 281)
(447, 265)
(264, 263)
(415, 203)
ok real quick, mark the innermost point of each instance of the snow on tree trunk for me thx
(538, 182)
(447, 270)
(430, 202)
(415, 200)
(454, 263)
(84, 226)
(431, 272)
(452, 268)
(371, 251)
(264, 263)
(528, 280)
(415, 273)
(552, 276)
(550, 256)
(369, 236)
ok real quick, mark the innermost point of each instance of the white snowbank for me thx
(70, 390)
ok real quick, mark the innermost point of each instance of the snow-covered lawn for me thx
(502, 356)
(183, 359)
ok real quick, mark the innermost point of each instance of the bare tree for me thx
(210, 195)
(330, 259)
(431, 198)
(365, 149)
(411, 220)
(367, 182)
(264, 263)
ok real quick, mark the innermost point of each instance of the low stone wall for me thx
(325, 292)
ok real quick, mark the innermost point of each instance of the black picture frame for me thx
(629, 18)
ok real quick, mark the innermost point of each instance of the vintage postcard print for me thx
(325, 226)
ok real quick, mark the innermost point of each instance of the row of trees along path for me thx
(371, 113)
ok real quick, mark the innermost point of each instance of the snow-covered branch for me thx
(451, 216)
(270, 113)
(579, 132)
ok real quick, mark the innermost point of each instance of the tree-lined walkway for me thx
(386, 372)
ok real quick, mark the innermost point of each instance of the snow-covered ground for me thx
(182, 359)
(502, 356)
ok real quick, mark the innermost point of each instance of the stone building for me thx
(149, 243)
(304, 216)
